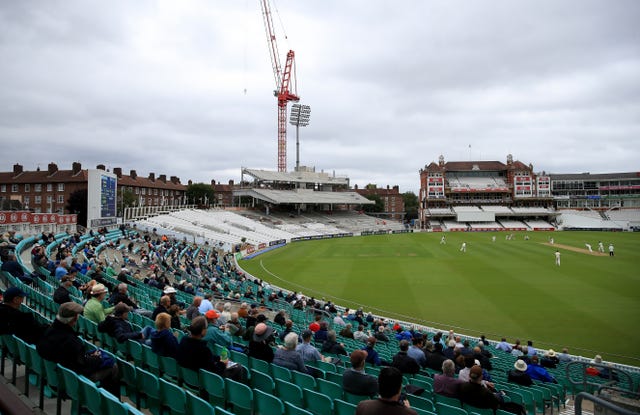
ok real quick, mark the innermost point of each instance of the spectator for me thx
(14, 321)
(163, 306)
(121, 295)
(216, 334)
(403, 362)
(288, 328)
(287, 356)
(163, 342)
(118, 326)
(61, 344)
(193, 310)
(94, 310)
(61, 295)
(355, 380)
(280, 318)
(308, 352)
(320, 336)
(564, 356)
(234, 326)
(504, 346)
(485, 362)
(450, 350)
(380, 335)
(447, 384)
(537, 372)
(194, 354)
(415, 351)
(332, 346)
(389, 402)
(372, 356)
(12, 266)
(360, 334)
(532, 351)
(346, 331)
(550, 359)
(474, 394)
(519, 375)
(260, 344)
(436, 358)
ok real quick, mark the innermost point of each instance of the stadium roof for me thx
(304, 196)
(599, 176)
(296, 177)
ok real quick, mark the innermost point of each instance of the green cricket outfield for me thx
(512, 288)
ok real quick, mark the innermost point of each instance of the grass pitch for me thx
(590, 303)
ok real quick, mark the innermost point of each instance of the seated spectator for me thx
(280, 318)
(504, 346)
(447, 384)
(474, 394)
(355, 380)
(372, 356)
(243, 311)
(61, 344)
(12, 266)
(360, 334)
(564, 356)
(308, 352)
(193, 310)
(532, 351)
(260, 344)
(463, 374)
(332, 346)
(519, 375)
(415, 351)
(320, 336)
(389, 402)
(234, 326)
(403, 362)
(287, 356)
(346, 332)
(315, 324)
(380, 335)
(94, 310)
(288, 328)
(117, 325)
(216, 335)
(13, 321)
(175, 312)
(62, 295)
(194, 354)
(163, 342)
(485, 362)
(61, 270)
(537, 372)
(450, 350)
(437, 357)
(550, 359)
(163, 306)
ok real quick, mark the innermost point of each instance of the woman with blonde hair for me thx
(163, 342)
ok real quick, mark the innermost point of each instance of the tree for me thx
(411, 205)
(127, 199)
(377, 208)
(77, 204)
(200, 193)
(9, 204)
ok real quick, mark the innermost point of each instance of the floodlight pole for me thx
(300, 118)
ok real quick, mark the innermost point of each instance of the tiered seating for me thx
(485, 226)
(454, 226)
(539, 224)
(513, 224)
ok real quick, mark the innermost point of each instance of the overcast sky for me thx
(185, 87)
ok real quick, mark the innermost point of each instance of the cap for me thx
(12, 293)
(551, 353)
(212, 314)
(120, 309)
(98, 289)
(67, 277)
(70, 309)
(169, 290)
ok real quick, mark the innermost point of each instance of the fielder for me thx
(463, 248)
(557, 254)
(588, 247)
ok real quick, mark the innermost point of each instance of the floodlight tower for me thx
(299, 117)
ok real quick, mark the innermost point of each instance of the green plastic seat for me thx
(266, 404)
(239, 357)
(331, 389)
(10, 343)
(421, 402)
(128, 378)
(151, 360)
(455, 402)
(262, 381)
(290, 409)
(37, 366)
(54, 382)
(316, 402)
(303, 380)
(279, 372)
(222, 411)
(190, 379)
(169, 368)
(197, 405)
(172, 397)
(213, 384)
(110, 405)
(25, 358)
(239, 397)
(444, 409)
(334, 377)
(289, 392)
(478, 411)
(90, 393)
(70, 386)
(148, 391)
(136, 352)
(260, 365)
(342, 407)
(353, 398)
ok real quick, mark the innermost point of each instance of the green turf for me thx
(590, 304)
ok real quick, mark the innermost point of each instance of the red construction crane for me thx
(284, 78)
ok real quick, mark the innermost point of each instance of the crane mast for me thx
(284, 79)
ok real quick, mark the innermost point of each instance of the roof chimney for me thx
(190, 182)
(53, 167)
(152, 177)
(76, 167)
(230, 182)
(17, 169)
(174, 179)
(101, 167)
(163, 178)
(213, 182)
(117, 171)
(133, 174)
